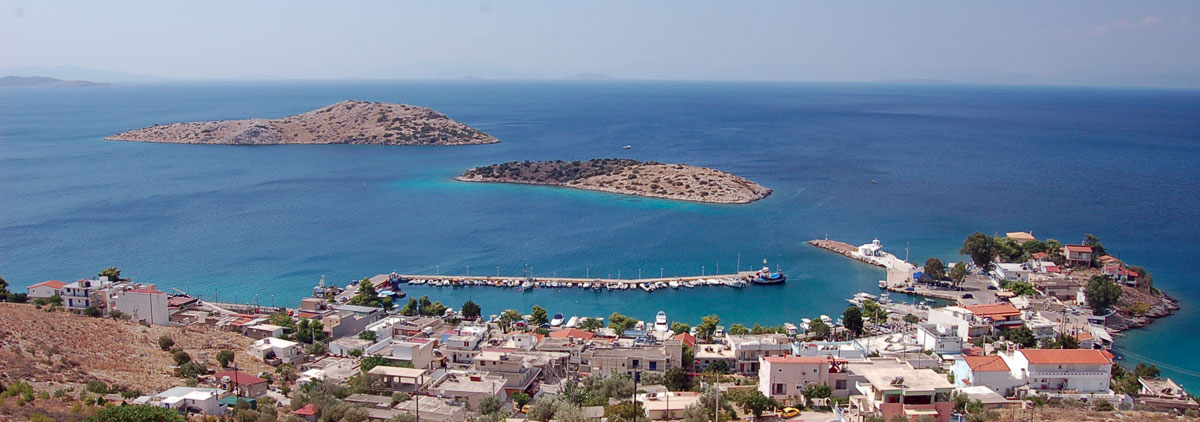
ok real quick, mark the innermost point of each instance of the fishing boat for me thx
(557, 320)
(765, 276)
(660, 322)
(674, 284)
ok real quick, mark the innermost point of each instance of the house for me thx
(45, 289)
(1164, 395)
(667, 405)
(309, 412)
(1120, 274)
(960, 321)
(81, 294)
(707, 354)
(990, 399)
(1078, 255)
(142, 302)
(433, 409)
(1077, 371)
(687, 339)
(401, 379)
(349, 320)
(189, 400)
(838, 349)
(1001, 316)
(261, 331)
(271, 348)
(874, 249)
(748, 348)
(891, 388)
(404, 326)
(1058, 287)
(469, 387)
(417, 352)
(939, 339)
(631, 360)
(242, 384)
(1020, 237)
(572, 347)
(573, 333)
(784, 378)
(517, 370)
(346, 346)
(990, 372)
(1012, 271)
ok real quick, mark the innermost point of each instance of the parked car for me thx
(789, 412)
(968, 296)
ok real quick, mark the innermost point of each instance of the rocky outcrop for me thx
(629, 177)
(347, 122)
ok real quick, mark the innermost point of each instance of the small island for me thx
(43, 82)
(347, 122)
(628, 177)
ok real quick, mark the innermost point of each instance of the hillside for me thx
(41, 81)
(347, 122)
(62, 347)
(629, 177)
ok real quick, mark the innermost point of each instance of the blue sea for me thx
(265, 223)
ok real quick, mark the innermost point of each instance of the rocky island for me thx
(629, 177)
(347, 122)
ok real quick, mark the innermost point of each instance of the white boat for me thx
(526, 286)
(660, 322)
(587, 285)
(689, 284)
(627, 147)
(883, 284)
(674, 284)
(572, 322)
(826, 319)
(804, 323)
(646, 287)
(557, 320)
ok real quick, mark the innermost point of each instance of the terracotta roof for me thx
(1078, 248)
(239, 378)
(802, 359)
(572, 332)
(1082, 337)
(995, 311)
(1040, 255)
(1053, 269)
(686, 338)
(308, 410)
(54, 284)
(1067, 356)
(986, 363)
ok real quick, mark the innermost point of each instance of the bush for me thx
(92, 311)
(136, 413)
(165, 343)
(1104, 406)
(225, 357)
(98, 387)
(181, 357)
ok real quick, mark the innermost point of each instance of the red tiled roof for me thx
(572, 332)
(1053, 269)
(1067, 356)
(1082, 337)
(239, 378)
(986, 363)
(802, 359)
(686, 338)
(54, 284)
(1040, 255)
(995, 311)
(1078, 248)
(973, 351)
(308, 410)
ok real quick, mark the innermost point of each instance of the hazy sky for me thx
(1059, 42)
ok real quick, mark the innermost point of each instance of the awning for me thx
(920, 412)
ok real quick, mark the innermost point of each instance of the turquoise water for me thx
(264, 223)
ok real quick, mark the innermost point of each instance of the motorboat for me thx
(572, 322)
(674, 284)
(660, 322)
(765, 276)
(557, 320)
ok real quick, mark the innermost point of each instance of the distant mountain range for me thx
(42, 81)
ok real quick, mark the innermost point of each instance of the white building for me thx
(45, 289)
(939, 339)
(81, 294)
(189, 400)
(990, 372)
(871, 249)
(141, 302)
(1012, 271)
(784, 378)
(1080, 371)
(276, 348)
(416, 351)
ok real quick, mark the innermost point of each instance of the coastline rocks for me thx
(347, 122)
(628, 177)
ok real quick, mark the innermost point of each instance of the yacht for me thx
(526, 286)
(572, 322)
(660, 322)
(557, 320)
(674, 284)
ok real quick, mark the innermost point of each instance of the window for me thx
(653, 365)
(839, 385)
(778, 389)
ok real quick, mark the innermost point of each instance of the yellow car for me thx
(525, 408)
(789, 412)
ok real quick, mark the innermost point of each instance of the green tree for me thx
(181, 357)
(1101, 294)
(136, 413)
(981, 248)
(93, 311)
(539, 316)
(679, 328)
(708, 326)
(816, 391)
(755, 403)
(1021, 335)
(410, 309)
(1094, 242)
(958, 274)
(620, 323)
(489, 405)
(1144, 279)
(520, 399)
(935, 269)
(165, 343)
(911, 319)
(1007, 249)
(225, 357)
(471, 310)
(509, 317)
(112, 273)
(677, 379)
(718, 367)
(1022, 288)
(1064, 341)
(368, 335)
(310, 330)
(819, 328)
(373, 361)
(852, 319)
(738, 330)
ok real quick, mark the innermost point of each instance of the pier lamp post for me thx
(701, 270)
(497, 271)
(468, 271)
(639, 273)
(272, 301)
(660, 272)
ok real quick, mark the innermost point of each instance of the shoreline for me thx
(613, 191)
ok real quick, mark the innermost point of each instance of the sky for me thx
(1021, 42)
